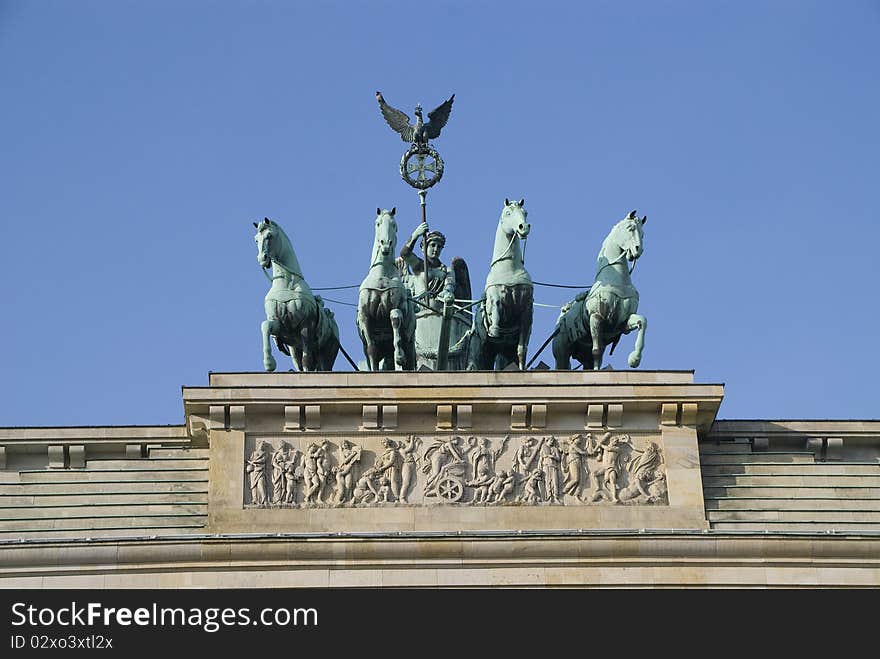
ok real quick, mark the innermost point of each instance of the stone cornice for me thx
(649, 558)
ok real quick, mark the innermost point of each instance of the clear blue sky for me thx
(141, 139)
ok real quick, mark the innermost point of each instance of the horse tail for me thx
(614, 344)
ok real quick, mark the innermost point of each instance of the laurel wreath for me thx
(424, 150)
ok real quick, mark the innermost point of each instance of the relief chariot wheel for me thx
(450, 489)
(421, 166)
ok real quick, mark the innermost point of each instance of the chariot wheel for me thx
(450, 489)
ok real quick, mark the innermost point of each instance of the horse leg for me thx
(473, 351)
(309, 347)
(493, 312)
(596, 334)
(269, 327)
(636, 321)
(328, 350)
(560, 353)
(474, 346)
(395, 316)
(365, 323)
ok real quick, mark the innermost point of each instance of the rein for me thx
(616, 261)
(506, 253)
(288, 271)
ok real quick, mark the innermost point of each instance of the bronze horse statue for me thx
(503, 320)
(598, 317)
(386, 319)
(302, 327)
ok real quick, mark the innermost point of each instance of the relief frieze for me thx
(608, 468)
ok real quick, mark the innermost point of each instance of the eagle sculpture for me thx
(421, 132)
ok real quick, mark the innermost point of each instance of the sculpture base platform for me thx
(455, 451)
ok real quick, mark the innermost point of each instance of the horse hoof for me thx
(634, 359)
(269, 364)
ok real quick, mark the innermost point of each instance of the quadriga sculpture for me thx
(503, 319)
(302, 327)
(597, 318)
(386, 319)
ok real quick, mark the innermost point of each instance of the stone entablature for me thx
(139, 505)
(452, 451)
(827, 439)
(71, 447)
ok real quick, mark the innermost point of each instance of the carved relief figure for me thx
(350, 455)
(525, 456)
(385, 494)
(279, 460)
(532, 488)
(365, 489)
(611, 467)
(480, 457)
(316, 471)
(645, 472)
(502, 487)
(440, 454)
(483, 459)
(293, 473)
(551, 457)
(481, 485)
(408, 449)
(256, 469)
(575, 465)
(389, 464)
(445, 469)
(656, 486)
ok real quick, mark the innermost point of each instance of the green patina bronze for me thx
(417, 313)
(597, 318)
(441, 326)
(302, 327)
(503, 320)
(386, 318)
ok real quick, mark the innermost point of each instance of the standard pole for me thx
(422, 195)
(443, 343)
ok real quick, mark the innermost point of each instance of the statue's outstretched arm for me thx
(406, 251)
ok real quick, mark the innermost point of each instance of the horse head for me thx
(513, 219)
(385, 242)
(270, 241)
(625, 238)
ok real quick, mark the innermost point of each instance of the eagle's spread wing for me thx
(438, 117)
(396, 119)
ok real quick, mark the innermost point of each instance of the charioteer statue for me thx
(437, 293)
(441, 341)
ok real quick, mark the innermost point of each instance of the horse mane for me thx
(287, 256)
(601, 254)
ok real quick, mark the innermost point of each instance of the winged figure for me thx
(421, 132)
